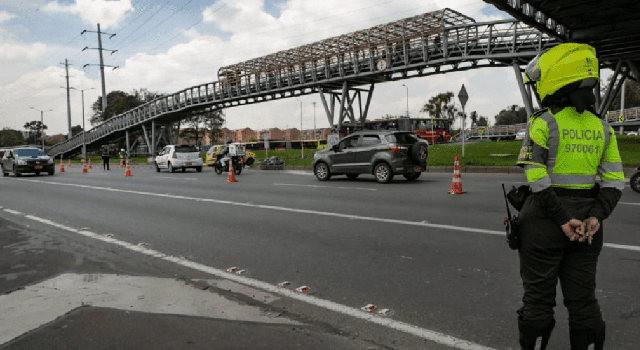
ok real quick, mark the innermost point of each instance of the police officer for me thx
(566, 146)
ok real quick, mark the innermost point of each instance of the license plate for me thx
(188, 163)
(38, 166)
(418, 169)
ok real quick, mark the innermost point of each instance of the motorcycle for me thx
(635, 181)
(237, 165)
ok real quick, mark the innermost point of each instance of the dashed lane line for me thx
(422, 333)
(312, 212)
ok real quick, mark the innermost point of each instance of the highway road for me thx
(438, 262)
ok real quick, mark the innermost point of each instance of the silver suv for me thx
(382, 153)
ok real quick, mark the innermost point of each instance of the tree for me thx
(75, 130)
(35, 128)
(482, 121)
(10, 137)
(119, 102)
(631, 96)
(511, 115)
(439, 104)
(198, 124)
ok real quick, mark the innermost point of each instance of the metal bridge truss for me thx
(454, 48)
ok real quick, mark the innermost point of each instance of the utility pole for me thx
(314, 121)
(66, 65)
(102, 65)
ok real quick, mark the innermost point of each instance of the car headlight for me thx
(50, 161)
(21, 162)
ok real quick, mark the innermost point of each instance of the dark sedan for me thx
(26, 160)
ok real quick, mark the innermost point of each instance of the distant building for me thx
(245, 135)
(292, 134)
(54, 139)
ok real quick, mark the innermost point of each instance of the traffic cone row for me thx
(128, 172)
(232, 175)
(456, 184)
(61, 166)
(84, 166)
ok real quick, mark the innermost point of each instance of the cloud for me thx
(5, 16)
(107, 13)
(19, 52)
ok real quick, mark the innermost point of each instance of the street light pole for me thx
(314, 121)
(301, 143)
(84, 140)
(42, 124)
(407, 99)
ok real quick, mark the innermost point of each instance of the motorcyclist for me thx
(224, 153)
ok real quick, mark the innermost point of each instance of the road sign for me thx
(621, 118)
(463, 96)
(265, 136)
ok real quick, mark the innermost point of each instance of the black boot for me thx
(581, 339)
(534, 338)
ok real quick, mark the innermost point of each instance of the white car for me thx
(520, 134)
(174, 157)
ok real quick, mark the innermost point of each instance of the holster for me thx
(517, 196)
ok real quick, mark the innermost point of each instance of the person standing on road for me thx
(566, 146)
(105, 158)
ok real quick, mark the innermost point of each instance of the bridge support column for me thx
(126, 135)
(146, 139)
(153, 138)
(526, 97)
(346, 98)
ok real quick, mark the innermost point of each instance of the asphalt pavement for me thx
(437, 263)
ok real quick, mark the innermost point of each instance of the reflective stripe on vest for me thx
(568, 180)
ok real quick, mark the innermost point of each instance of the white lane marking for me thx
(314, 212)
(272, 207)
(326, 304)
(628, 203)
(342, 188)
(179, 178)
(13, 211)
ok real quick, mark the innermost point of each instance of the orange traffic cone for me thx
(121, 162)
(69, 164)
(232, 174)
(128, 172)
(456, 185)
(90, 167)
(84, 166)
(61, 166)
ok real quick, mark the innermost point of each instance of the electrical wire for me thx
(161, 22)
(143, 23)
(195, 24)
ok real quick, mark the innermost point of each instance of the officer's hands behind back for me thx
(581, 230)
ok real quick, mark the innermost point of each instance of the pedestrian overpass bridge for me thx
(342, 70)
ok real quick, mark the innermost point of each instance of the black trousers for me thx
(105, 163)
(548, 256)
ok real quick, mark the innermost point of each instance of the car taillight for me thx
(397, 149)
(174, 155)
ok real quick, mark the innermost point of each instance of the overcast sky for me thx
(167, 46)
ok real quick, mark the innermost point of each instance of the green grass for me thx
(475, 154)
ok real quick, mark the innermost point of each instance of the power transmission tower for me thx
(66, 65)
(102, 65)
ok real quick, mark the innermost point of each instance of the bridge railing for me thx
(630, 114)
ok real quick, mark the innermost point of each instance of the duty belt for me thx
(572, 192)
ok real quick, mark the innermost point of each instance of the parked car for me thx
(520, 134)
(183, 157)
(22, 160)
(382, 153)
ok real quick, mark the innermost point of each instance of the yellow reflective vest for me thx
(569, 150)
